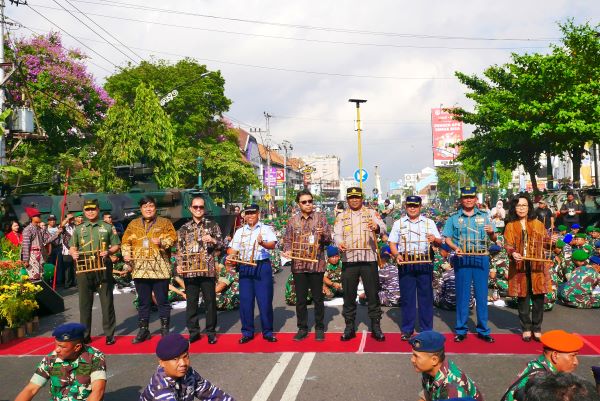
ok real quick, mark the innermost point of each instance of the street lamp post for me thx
(287, 147)
(358, 102)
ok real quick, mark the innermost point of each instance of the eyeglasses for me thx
(522, 206)
(88, 209)
(305, 202)
(197, 207)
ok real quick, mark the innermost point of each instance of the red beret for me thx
(561, 341)
(32, 212)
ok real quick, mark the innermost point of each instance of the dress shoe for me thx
(301, 335)
(459, 338)
(378, 335)
(405, 336)
(348, 335)
(245, 339)
(270, 339)
(110, 340)
(537, 337)
(320, 335)
(212, 338)
(526, 338)
(486, 337)
(194, 337)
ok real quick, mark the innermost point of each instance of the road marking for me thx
(293, 388)
(363, 341)
(31, 351)
(588, 343)
(273, 377)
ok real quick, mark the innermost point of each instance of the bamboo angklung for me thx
(538, 247)
(193, 260)
(247, 249)
(304, 246)
(90, 261)
(414, 255)
(471, 243)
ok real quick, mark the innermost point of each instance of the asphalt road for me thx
(303, 376)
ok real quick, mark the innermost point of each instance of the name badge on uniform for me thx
(195, 248)
(479, 221)
(146, 243)
(311, 239)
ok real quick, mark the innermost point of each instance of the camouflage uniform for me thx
(499, 264)
(565, 271)
(578, 292)
(389, 285)
(539, 365)
(121, 281)
(438, 270)
(71, 380)
(449, 382)
(228, 299)
(550, 298)
(333, 273)
(290, 291)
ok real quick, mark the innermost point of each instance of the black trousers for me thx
(314, 281)
(531, 316)
(145, 287)
(193, 286)
(87, 285)
(351, 273)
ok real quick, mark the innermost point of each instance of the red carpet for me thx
(228, 343)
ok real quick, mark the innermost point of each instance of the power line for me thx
(104, 30)
(302, 39)
(308, 27)
(80, 42)
(91, 29)
(281, 68)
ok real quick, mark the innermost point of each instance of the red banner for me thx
(445, 132)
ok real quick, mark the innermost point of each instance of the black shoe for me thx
(194, 337)
(245, 339)
(110, 340)
(320, 335)
(87, 340)
(348, 335)
(459, 338)
(376, 331)
(143, 334)
(270, 339)
(212, 338)
(164, 326)
(486, 337)
(537, 338)
(405, 336)
(526, 338)
(301, 335)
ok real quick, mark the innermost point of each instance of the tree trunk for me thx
(549, 177)
(576, 157)
(533, 179)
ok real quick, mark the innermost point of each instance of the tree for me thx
(141, 132)
(68, 104)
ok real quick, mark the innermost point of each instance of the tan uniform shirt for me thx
(352, 229)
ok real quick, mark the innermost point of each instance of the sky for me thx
(300, 61)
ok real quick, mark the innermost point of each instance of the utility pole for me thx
(3, 133)
(378, 184)
(358, 102)
(287, 147)
(268, 148)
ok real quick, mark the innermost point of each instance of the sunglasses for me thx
(307, 202)
(413, 205)
(196, 207)
(87, 209)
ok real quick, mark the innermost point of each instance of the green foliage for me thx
(132, 134)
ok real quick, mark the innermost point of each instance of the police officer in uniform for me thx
(470, 223)
(359, 226)
(75, 371)
(95, 235)
(411, 236)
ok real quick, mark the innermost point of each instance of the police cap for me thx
(354, 192)
(251, 208)
(468, 191)
(91, 204)
(413, 200)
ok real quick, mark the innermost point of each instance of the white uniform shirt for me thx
(415, 232)
(245, 238)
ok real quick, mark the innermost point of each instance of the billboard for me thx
(445, 131)
(270, 177)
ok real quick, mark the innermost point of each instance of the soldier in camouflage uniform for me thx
(578, 291)
(578, 259)
(121, 271)
(290, 292)
(228, 288)
(498, 271)
(560, 355)
(332, 279)
(75, 371)
(441, 378)
(389, 285)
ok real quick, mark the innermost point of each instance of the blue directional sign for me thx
(365, 175)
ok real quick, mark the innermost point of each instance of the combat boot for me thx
(143, 334)
(376, 332)
(164, 326)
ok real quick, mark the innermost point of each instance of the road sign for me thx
(280, 175)
(268, 197)
(365, 175)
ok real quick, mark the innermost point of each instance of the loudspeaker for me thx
(50, 301)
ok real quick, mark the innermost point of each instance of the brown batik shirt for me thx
(189, 243)
(300, 238)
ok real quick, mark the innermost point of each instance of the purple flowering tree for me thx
(69, 106)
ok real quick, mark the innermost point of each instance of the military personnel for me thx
(411, 236)
(75, 371)
(470, 223)
(175, 379)
(560, 355)
(332, 280)
(579, 290)
(227, 288)
(290, 292)
(578, 259)
(95, 236)
(196, 236)
(498, 271)
(256, 282)
(355, 228)
(34, 246)
(571, 210)
(311, 226)
(147, 243)
(389, 285)
(121, 271)
(557, 262)
(441, 378)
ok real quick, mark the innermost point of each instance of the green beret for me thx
(78, 214)
(596, 229)
(580, 255)
(562, 227)
(560, 244)
(580, 235)
(588, 248)
(589, 229)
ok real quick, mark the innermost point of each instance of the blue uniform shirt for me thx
(468, 231)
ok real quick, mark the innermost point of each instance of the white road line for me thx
(363, 341)
(273, 377)
(293, 388)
